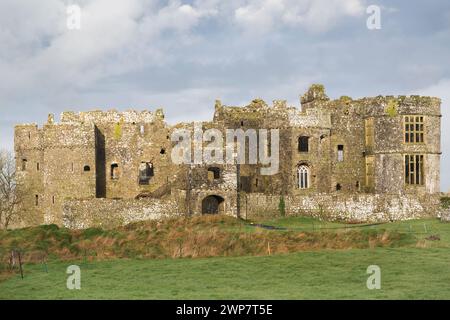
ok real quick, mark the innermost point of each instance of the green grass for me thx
(421, 228)
(413, 266)
(411, 273)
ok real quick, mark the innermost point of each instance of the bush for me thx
(282, 207)
(445, 202)
(92, 232)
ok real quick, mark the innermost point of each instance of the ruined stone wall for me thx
(29, 163)
(68, 150)
(390, 147)
(114, 145)
(110, 213)
(344, 207)
(316, 125)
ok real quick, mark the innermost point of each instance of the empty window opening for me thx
(340, 150)
(53, 199)
(242, 123)
(114, 171)
(24, 164)
(86, 168)
(303, 177)
(303, 144)
(71, 166)
(256, 182)
(145, 173)
(29, 135)
(245, 183)
(414, 171)
(357, 185)
(321, 138)
(162, 151)
(414, 129)
(37, 166)
(213, 173)
(36, 200)
(338, 187)
(142, 129)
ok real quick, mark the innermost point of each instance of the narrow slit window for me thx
(24, 164)
(340, 150)
(114, 171)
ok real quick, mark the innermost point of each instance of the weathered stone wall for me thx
(110, 141)
(109, 213)
(352, 208)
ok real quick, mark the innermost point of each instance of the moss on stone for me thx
(118, 129)
(391, 108)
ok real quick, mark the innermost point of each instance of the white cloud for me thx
(115, 38)
(317, 16)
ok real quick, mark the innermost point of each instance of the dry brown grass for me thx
(199, 236)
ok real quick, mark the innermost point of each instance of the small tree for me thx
(9, 197)
(282, 207)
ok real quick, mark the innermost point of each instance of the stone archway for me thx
(212, 204)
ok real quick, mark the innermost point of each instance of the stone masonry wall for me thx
(351, 208)
(109, 213)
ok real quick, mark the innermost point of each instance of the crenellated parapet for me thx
(112, 116)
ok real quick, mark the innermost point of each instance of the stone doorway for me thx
(212, 205)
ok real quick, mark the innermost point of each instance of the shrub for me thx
(282, 207)
(445, 202)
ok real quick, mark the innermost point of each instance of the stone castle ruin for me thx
(371, 159)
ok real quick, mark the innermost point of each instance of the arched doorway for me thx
(212, 205)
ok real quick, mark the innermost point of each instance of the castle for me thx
(370, 159)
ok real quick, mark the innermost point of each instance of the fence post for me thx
(20, 263)
(44, 262)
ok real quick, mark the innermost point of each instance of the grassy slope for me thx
(416, 271)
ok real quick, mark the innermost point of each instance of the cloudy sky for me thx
(182, 55)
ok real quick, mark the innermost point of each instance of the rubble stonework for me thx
(108, 167)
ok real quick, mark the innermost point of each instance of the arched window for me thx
(303, 145)
(86, 168)
(303, 177)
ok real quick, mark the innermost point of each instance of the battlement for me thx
(112, 116)
(310, 118)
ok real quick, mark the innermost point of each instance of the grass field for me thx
(418, 269)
